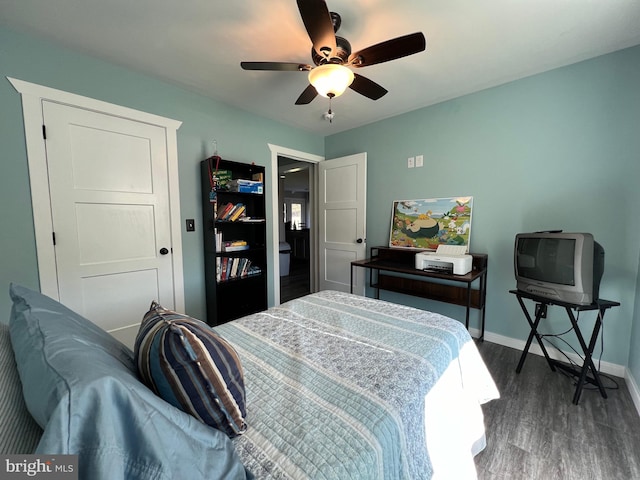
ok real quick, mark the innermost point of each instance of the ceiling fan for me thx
(332, 56)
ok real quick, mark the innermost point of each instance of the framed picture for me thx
(428, 223)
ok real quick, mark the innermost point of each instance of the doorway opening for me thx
(295, 223)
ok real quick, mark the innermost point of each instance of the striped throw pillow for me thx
(193, 368)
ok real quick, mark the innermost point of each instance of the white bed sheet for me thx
(454, 421)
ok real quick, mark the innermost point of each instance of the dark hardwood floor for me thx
(297, 283)
(535, 432)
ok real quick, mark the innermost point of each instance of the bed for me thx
(337, 386)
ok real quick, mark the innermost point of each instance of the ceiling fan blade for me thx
(317, 20)
(368, 88)
(277, 66)
(390, 50)
(307, 95)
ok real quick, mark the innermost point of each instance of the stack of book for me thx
(234, 245)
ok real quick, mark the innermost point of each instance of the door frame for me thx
(277, 151)
(32, 97)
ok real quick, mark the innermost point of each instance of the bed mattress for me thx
(341, 386)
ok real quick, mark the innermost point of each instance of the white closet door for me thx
(110, 213)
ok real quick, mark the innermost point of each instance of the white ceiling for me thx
(199, 44)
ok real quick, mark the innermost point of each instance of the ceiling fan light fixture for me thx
(331, 80)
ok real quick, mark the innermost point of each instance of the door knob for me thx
(359, 240)
(163, 251)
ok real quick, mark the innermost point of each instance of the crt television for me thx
(557, 265)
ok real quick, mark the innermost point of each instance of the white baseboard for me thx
(605, 367)
(633, 389)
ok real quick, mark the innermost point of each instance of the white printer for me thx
(446, 259)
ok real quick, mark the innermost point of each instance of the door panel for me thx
(110, 213)
(110, 161)
(341, 225)
(99, 292)
(110, 233)
(340, 181)
(338, 265)
(342, 207)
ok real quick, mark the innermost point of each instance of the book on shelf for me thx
(224, 210)
(234, 245)
(235, 248)
(237, 212)
(231, 212)
(223, 268)
(230, 268)
(254, 270)
(242, 268)
(235, 270)
(221, 179)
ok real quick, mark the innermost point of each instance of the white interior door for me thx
(342, 222)
(110, 213)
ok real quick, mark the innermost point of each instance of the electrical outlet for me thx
(411, 162)
(419, 161)
(541, 310)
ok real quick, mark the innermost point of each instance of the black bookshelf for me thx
(236, 281)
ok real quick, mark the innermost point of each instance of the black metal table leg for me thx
(581, 373)
(466, 319)
(483, 300)
(534, 333)
(588, 361)
(351, 280)
(377, 282)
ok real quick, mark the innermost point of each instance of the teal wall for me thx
(241, 136)
(634, 354)
(558, 150)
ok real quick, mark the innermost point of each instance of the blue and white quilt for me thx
(336, 388)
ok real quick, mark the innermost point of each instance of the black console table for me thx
(583, 374)
(434, 285)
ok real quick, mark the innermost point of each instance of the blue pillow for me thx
(54, 347)
(81, 386)
(190, 366)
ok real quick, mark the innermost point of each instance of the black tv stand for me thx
(587, 367)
